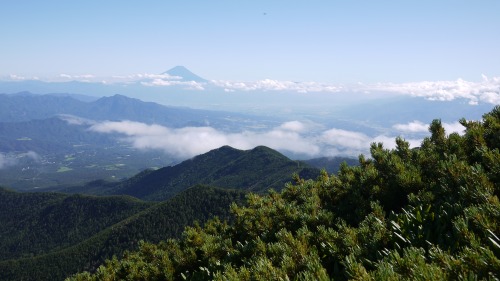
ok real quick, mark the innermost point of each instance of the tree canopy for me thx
(425, 213)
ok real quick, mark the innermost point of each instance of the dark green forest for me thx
(429, 213)
(49, 236)
(35, 223)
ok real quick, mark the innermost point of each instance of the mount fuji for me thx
(185, 74)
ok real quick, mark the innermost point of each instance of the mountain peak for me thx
(185, 73)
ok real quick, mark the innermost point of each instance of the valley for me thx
(86, 180)
(249, 140)
(84, 164)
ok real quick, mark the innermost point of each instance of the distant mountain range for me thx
(366, 110)
(55, 130)
(26, 106)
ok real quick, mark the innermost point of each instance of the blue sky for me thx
(326, 41)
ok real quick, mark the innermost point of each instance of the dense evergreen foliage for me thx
(37, 223)
(106, 226)
(405, 214)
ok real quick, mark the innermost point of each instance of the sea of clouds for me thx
(299, 138)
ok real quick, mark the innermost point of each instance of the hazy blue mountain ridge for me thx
(25, 107)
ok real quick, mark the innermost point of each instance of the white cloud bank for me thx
(294, 137)
(487, 90)
(190, 141)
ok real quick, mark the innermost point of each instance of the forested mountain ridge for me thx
(37, 223)
(255, 170)
(431, 213)
(27, 258)
(53, 235)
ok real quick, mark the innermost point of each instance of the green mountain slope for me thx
(431, 213)
(254, 170)
(157, 222)
(37, 223)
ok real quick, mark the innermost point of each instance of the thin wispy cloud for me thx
(75, 120)
(83, 77)
(190, 85)
(14, 77)
(130, 128)
(276, 85)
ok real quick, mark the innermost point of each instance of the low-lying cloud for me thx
(75, 120)
(349, 143)
(191, 141)
(419, 127)
(9, 160)
(294, 137)
(413, 127)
